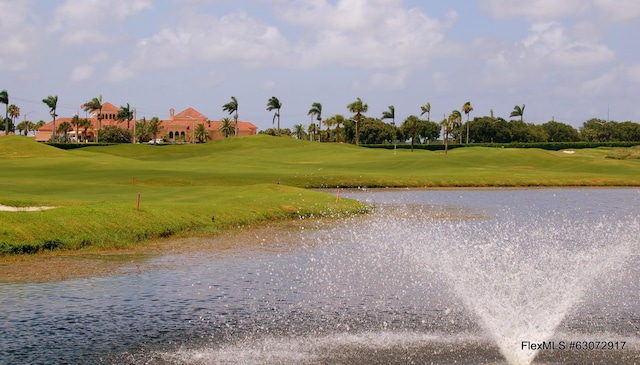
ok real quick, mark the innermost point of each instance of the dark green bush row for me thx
(72, 146)
(29, 248)
(552, 146)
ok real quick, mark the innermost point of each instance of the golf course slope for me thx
(208, 188)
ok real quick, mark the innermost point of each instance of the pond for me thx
(434, 276)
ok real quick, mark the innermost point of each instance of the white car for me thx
(156, 141)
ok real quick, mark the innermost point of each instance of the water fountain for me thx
(440, 277)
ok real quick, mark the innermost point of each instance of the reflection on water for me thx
(341, 294)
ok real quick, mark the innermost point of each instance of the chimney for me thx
(171, 111)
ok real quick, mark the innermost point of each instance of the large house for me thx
(179, 127)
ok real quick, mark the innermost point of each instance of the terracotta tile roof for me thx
(190, 113)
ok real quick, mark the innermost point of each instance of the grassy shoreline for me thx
(201, 190)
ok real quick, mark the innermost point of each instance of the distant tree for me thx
(85, 124)
(92, 106)
(426, 109)
(274, 104)
(125, 113)
(14, 113)
(155, 125)
(390, 114)
(4, 99)
(143, 133)
(358, 108)
(467, 109)
(75, 122)
(518, 112)
(560, 132)
(448, 124)
(316, 110)
(64, 128)
(298, 132)
(226, 127)
(277, 133)
(114, 134)
(334, 120)
(23, 126)
(311, 130)
(201, 133)
(375, 131)
(232, 107)
(628, 131)
(52, 102)
(428, 130)
(410, 127)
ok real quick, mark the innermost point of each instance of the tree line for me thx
(357, 128)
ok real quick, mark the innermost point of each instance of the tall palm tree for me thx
(359, 108)
(390, 114)
(298, 132)
(448, 124)
(4, 99)
(412, 123)
(275, 104)
(232, 107)
(155, 125)
(517, 112)
(226, 127)
(125, 113)
(426, 108)
(467, 108)
(201, 133)
(75, 122)
(316, 109)
(85, 124)
(52, 102)
(14, 113)
(92, 106)
(311, 130)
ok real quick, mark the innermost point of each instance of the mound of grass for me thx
(221, 185)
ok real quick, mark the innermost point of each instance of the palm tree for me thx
(52, 102)
(154, 128)
(226, 127)
(517, 112)
(390, 114)
(467, 108)
(232, 107)
(311, 130)
(125, 113)
(201, 133)
(92, 106)
(14, 112)
(64, 128)
(75, 121)
(358, 107)
(85, 124)
(426, 108)
(4, 99)
(412, 123)
(448, 124)
(141, 130)
(275, 104)
(298, 132)
(316, 109)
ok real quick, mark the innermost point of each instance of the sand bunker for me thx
(6, 208)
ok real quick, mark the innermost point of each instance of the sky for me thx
(567, 61)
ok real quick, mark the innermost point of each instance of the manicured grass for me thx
(240, 181)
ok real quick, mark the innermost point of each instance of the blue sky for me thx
(569, 60)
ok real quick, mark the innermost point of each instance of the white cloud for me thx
(119, 72)
(20, 37)
(388, 80)
(81, 73)
(619, 10)
(268, 85)
(599, 85)
(91, 21)
(535, 10)
(359, 33)
(232, 38)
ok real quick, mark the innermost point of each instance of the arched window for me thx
(170, 134)
(182, 133)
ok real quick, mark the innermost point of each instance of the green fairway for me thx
(208, 188)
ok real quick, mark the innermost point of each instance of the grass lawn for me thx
(217, 186)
